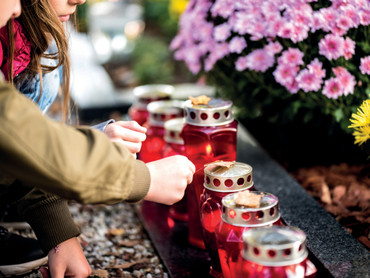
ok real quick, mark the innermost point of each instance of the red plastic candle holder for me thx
(159, 113)
(209, 134)
(276, 252)
(220, 181)
(144, 95)
(235, 220)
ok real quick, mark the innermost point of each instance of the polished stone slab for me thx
(334, 251)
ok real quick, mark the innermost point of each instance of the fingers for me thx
(192, 167)
(126, 131)
(132, 125)
(57, 272)
(190, 179)
(127, 134)
(132, 147)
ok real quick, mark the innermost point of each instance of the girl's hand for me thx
(68, 260)
(129, 133)
(169, 179)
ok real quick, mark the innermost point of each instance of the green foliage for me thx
(152, 62)
(156, 13)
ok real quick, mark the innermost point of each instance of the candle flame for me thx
(208, 149)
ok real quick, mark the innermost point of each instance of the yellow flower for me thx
(361, 123)
(177, 7)
(362, 134)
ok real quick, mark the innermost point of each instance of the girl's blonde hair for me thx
(41, 25)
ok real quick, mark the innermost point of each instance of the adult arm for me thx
(74, 163)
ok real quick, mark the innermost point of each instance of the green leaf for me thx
(338, 114)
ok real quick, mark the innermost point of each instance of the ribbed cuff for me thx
(141, 182)
(52, 224)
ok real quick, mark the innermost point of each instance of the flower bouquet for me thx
(298, 65)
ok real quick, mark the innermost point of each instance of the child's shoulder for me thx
(22, 49)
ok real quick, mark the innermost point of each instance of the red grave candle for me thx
(220, 181)
(159, 113)
(144, 95)
(209, 134)
(175, 146)
(174, 142)
(276, 252)
(238, 218)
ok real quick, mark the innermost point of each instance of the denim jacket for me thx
(51, 83)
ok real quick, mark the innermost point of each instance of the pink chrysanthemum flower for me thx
(316, 68)
(222, 8)
(332, 88)
(260, 60)
(318, 21)
(221, 32)
(308, 81)
(344, 23)
(286, 30)
(275, 26)
(365, 17)
(273, 48)
(237, 44)
(285, 73)
(241, 23)
(241, 63)
(346, 80)
(351, 13)
(365, 65)
(292, 56)
(329, 15)
(331, 46)
(293, 87)
(348, 48)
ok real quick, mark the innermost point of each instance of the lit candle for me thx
(220, 179)
(209, 134)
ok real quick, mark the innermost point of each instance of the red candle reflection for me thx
(221, 179)
(209, 134)
(276, 252)
(235, 220)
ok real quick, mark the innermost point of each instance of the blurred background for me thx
(117, 46)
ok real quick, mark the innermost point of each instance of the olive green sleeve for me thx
(74, 163)
(49, 217)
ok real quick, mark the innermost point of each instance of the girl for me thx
(37, 62)
(35, 59)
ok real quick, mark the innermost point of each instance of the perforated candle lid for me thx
(150, 92)
(275, 245)
(173, 130)
(164, 110)
(224, 176)
(215, 112)
(266, 212)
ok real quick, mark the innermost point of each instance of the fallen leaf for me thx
(115, 232)
(203, 99)
(101, 273)
(248, 199)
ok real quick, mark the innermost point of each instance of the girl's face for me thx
(64, 8)
(9, 9)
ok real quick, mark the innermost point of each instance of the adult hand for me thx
(128, 133)
(169, 178)
(68, 260)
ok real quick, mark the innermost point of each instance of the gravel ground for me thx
(114, 242)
